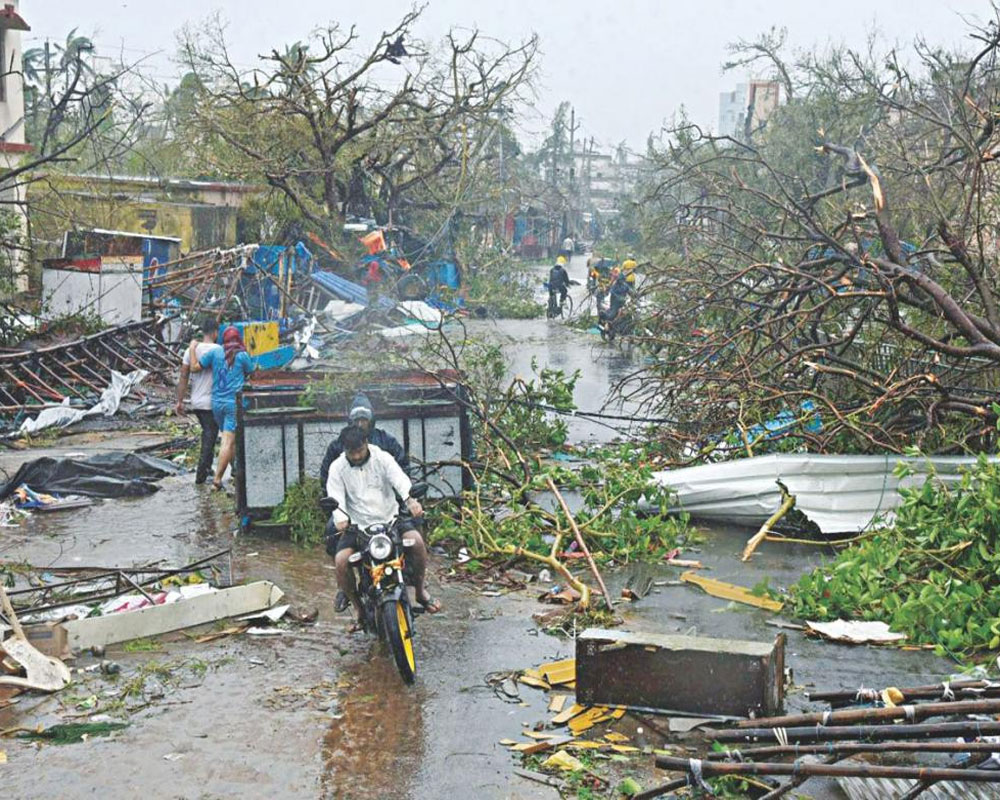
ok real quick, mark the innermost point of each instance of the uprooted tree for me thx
(398, 130)
(839, 261)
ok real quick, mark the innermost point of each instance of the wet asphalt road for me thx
(319, 713)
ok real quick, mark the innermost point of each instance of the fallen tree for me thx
(842, 257)
(510, 514)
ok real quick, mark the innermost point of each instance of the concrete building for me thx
(756, 98)
(603, 180)
(200, 214)
(732, 111)
(12, 144)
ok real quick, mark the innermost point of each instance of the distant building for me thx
(762, 101)
(733, 111)
(12, 145)
(757, 99)
(603, 180)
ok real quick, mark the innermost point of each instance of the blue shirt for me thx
(226, 380)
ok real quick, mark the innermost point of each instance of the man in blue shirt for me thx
(230, 365)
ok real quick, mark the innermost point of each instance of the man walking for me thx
(201, 398)
(230, 365)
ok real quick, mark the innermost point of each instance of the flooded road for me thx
(317, 712)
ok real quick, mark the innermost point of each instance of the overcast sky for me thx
(625, 65)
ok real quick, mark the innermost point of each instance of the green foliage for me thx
(142, 646)
(607, 490)
(78, 324)
(934, 575)
(301, 512)
(505, 289)
(72, 732)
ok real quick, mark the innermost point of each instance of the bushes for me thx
(934, 575)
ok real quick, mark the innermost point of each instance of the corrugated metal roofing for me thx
(841, 494)
(882, 788)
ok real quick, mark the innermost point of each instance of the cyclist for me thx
(558, 284)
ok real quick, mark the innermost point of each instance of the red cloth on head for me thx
(232, 343)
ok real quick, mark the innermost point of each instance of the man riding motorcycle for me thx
(364, 480)
(360, 415)
(619, 293)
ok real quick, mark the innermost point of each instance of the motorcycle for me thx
(382, 574)
(621, 324)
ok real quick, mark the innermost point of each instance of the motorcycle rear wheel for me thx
(399, 636)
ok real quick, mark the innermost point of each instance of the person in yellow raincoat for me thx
(628, 268)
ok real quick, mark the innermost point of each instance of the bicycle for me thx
(556, 308)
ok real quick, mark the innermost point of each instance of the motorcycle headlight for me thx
(380, 547)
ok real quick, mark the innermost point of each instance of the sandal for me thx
(429, 604)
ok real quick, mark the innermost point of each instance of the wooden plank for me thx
(557, 702)
(729, 591)
(588, 720)
(82, 634)
(558, 672)
(565, 716)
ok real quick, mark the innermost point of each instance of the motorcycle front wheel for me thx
(399, 636)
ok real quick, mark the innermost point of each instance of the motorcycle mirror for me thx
(418, 490)
(328, 504)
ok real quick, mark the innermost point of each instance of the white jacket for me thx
(366, 494)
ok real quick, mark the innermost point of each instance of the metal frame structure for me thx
(31, 380)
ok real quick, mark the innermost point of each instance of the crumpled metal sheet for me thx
(840, 494)
(882, 788)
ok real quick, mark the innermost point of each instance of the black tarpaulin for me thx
(103, 475)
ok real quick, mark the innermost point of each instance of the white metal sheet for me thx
(840, 494)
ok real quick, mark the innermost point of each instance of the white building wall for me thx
(12, 133)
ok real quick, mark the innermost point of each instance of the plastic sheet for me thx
(64, 416)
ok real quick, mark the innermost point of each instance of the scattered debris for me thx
(51, 376)
(563, 760)
(185, 612)
(833, 492)
(41, 672)
(103, 475)
(64, 415)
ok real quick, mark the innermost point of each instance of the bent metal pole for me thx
(871, 733)
(911, 713)
(711, 769)
(851, 748)
(944, 691)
